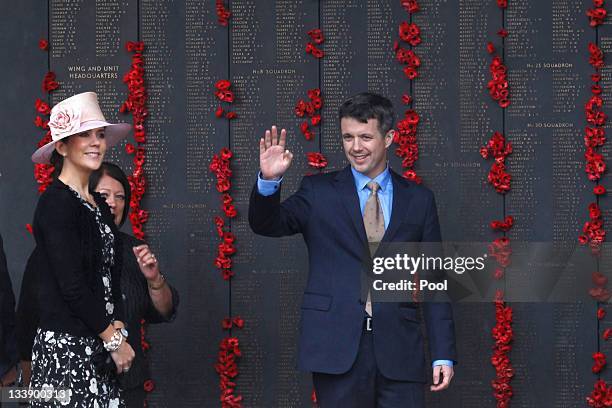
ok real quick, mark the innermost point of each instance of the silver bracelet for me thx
(115, 342)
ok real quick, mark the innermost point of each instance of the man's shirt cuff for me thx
(442, 362)
(267, 187)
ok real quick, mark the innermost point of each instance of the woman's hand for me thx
(123, 357)
(147, 262)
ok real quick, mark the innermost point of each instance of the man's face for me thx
(365, 147)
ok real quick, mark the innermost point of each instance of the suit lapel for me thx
(345, 184)
(401, 197)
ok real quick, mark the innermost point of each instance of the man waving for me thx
(361, 353)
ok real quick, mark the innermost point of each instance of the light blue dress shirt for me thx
(385, 196)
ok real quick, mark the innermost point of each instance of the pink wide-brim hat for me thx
(78, 114)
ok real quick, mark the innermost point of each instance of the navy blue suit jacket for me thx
(326, 211)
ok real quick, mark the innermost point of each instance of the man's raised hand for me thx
(274, 159)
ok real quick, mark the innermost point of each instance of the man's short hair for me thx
(367, 105)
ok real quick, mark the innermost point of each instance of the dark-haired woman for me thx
(146, 291)
(79, 246)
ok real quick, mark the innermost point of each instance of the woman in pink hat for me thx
(81, 313)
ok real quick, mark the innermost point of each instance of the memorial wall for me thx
(262, 52)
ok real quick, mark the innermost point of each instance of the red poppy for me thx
(43, 44)
(596, 56)
(238, 322)
(411, 6)
(231, 115)
(42, 107)
(317, 35)
(595, 77)
(132, 46)
(226, 323)
(499, 273)
(316, 160)
(129, 148)
(226, 153)
(315, 120)
(596, 16)
(219, 111)
(230, 210)
(490, 48)
(223, 14)
(607, 333)
(410, 33)
(599, 359)
(149, 385)
(29, 228)
(226, 96)
(410, 72)
(599, 190)
(601, 313)
(502, 3)
(317, 53)
(503, 33)
(406, 99)
(227, 274)
(223, 85)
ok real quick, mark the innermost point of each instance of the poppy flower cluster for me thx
(599, 362)
(498, 149)
(502, 334)
(42, 172)
(593, 233)
(223, 14)
(600, 292)
(227, 368)
(405, 136)
(596, 56)
(408, 58)
(501, 250)
(316, 160)
(220, 166)
(310, 109)
(224, 94)
(136, 104)
(316, 35)
(597, 14)
(498, 85)
(49, 82)
(407, 148)
(601, 396)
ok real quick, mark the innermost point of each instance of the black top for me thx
(8, 351)
(137, 306)
(71, 291)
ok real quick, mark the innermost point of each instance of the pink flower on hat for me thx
(65, 120)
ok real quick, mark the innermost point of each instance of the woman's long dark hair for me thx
(114, 171)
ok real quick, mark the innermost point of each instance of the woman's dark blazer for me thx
(71, 292)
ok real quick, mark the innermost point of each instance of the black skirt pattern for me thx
(64, 361)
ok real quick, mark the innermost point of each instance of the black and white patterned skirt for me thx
(63, 361)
